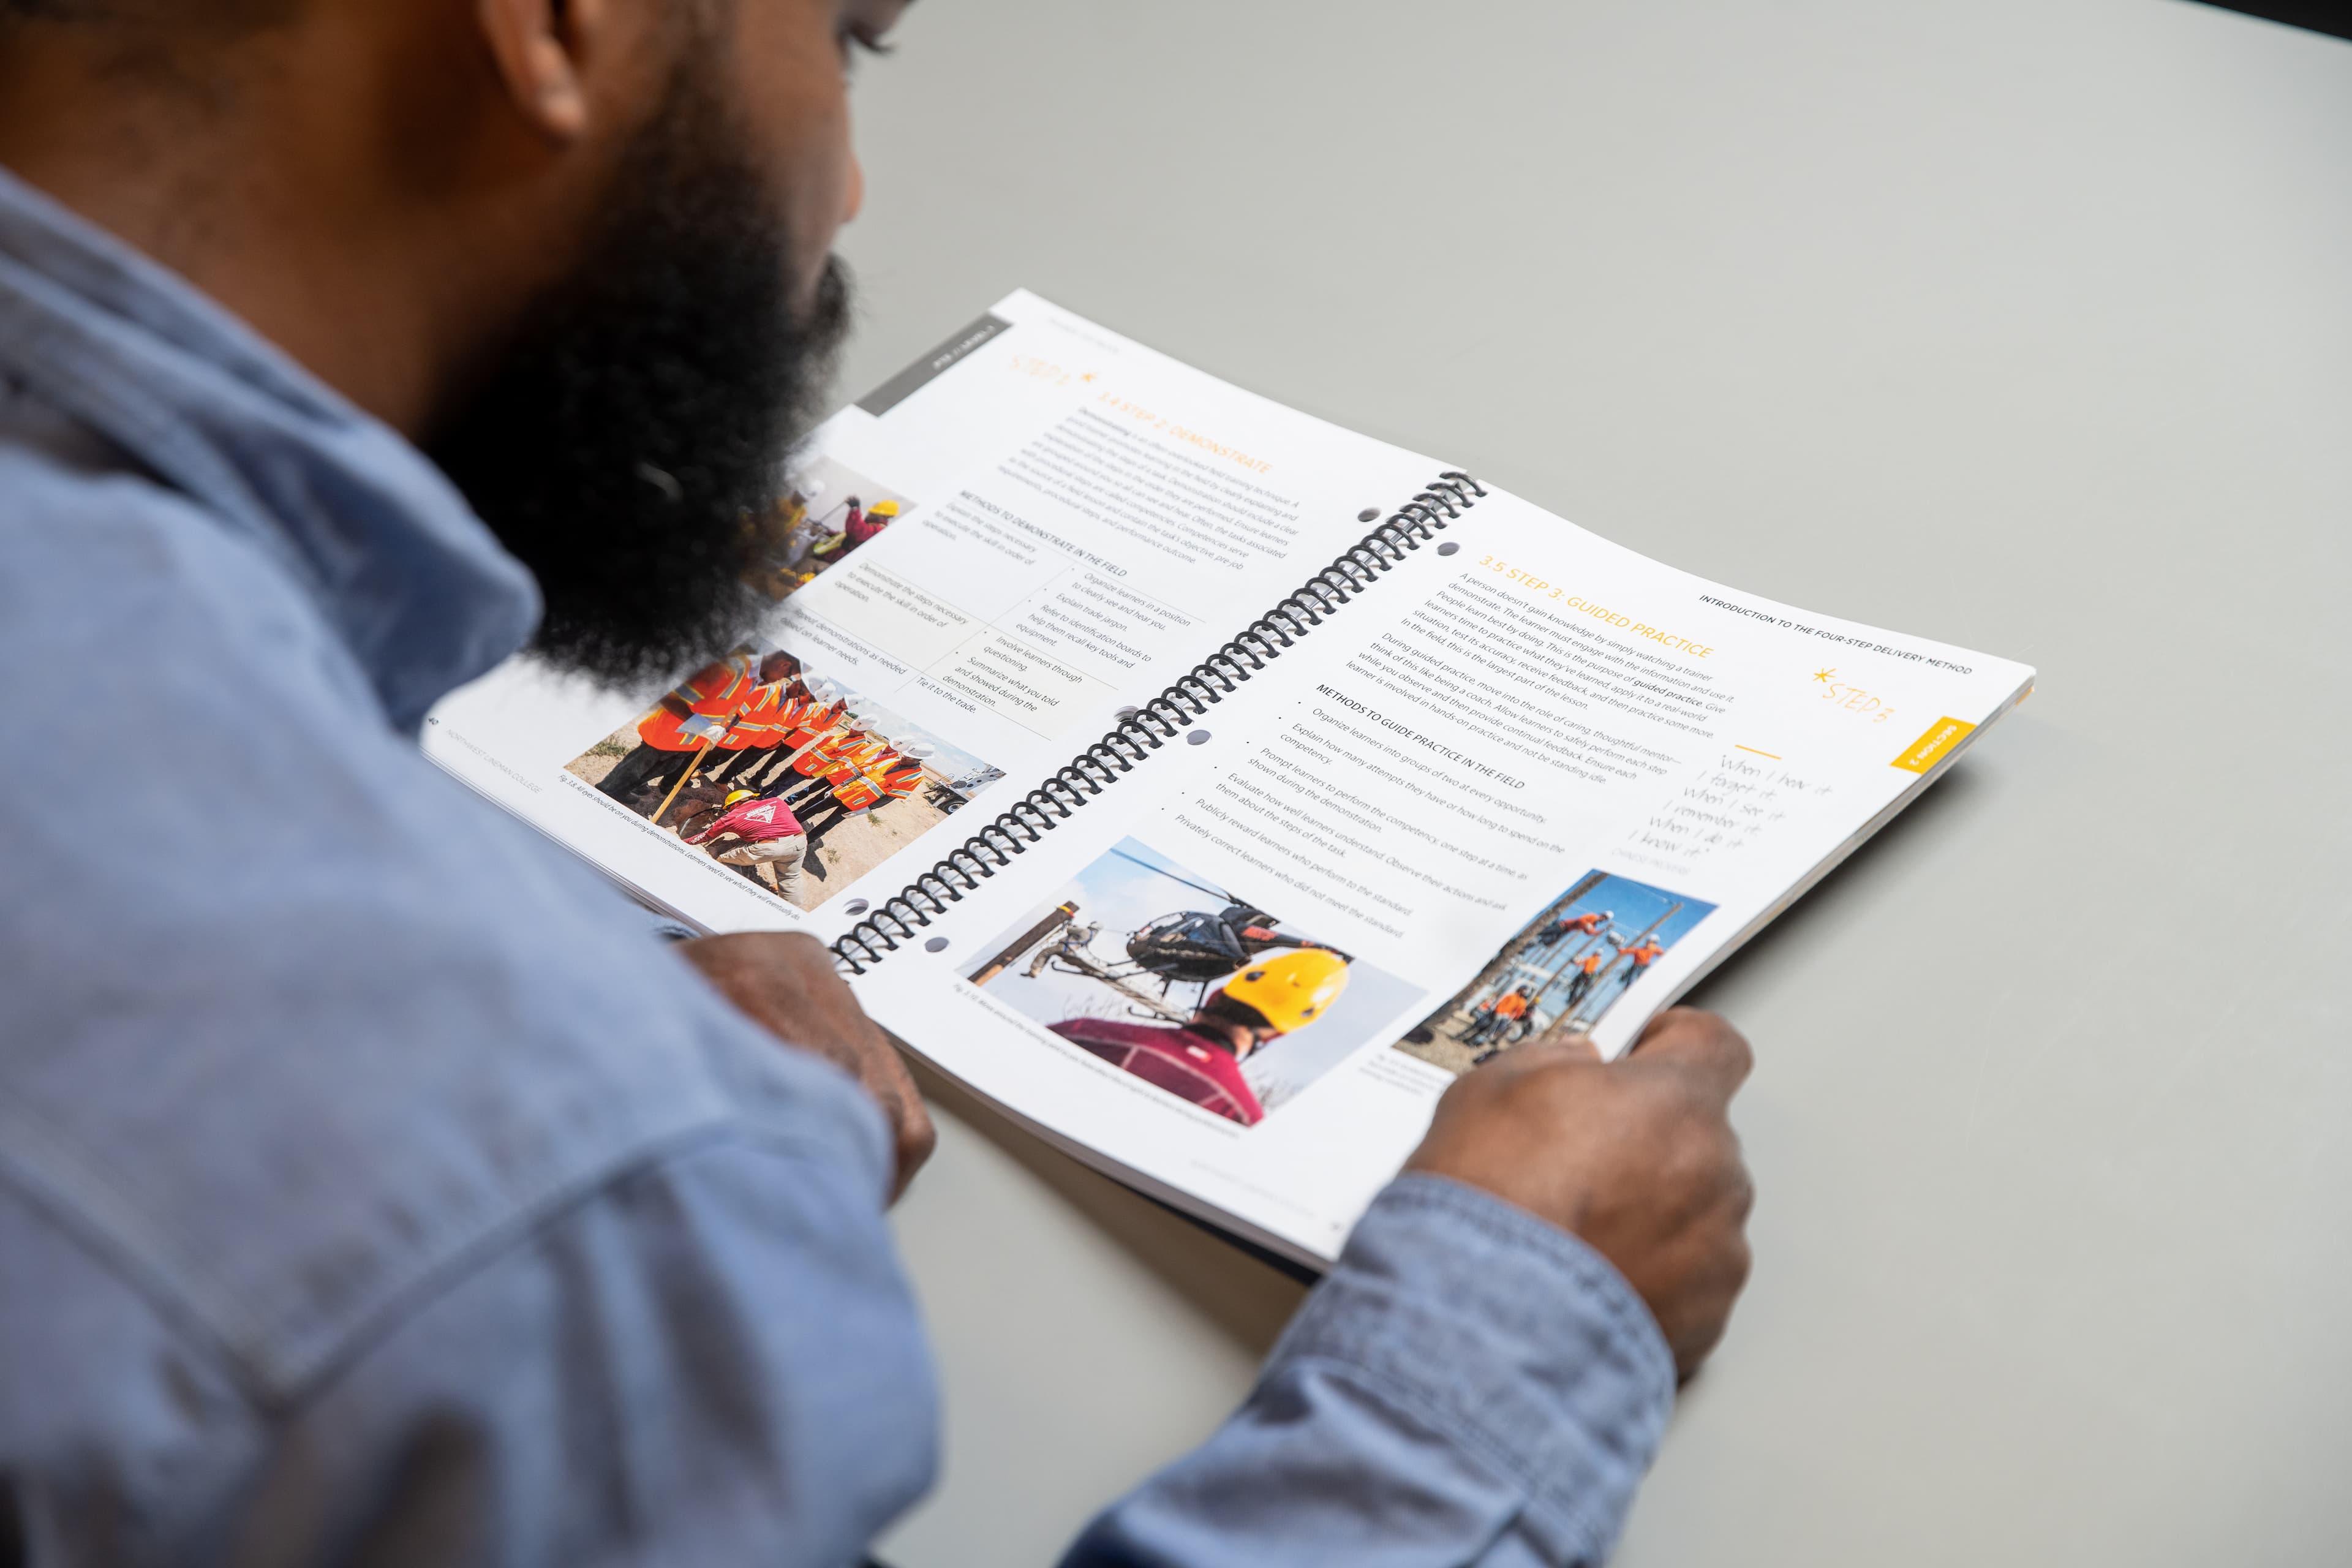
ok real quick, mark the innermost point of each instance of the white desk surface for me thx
(2026, 324)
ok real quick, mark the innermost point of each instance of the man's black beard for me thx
(626, 439)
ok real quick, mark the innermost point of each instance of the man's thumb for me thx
(1701, 1043)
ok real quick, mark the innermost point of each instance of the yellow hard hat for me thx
(883, 509)
(1291, 989)
(738, 795)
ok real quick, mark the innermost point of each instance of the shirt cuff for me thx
(1516, 1340)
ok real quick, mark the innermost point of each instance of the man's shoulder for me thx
(298, 1026)
(286, 1163)
(322, 1026)
(60, 473)
(99, 556)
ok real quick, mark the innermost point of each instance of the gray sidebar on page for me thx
(916, 376)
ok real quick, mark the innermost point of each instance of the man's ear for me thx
(540, 47)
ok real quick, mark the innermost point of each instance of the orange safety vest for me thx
(827, 752)
(1512, 1007)
(814, 720)
(863, 761)
(841, 761)
(857, 793)
(789, 711)
(714, 691)
(872, 782)
(764, 721)
(1643, 955)
(1591, 963)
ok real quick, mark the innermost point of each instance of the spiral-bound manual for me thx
(1216, 886)
(1158, 721)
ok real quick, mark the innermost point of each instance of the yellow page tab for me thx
(1941, 737)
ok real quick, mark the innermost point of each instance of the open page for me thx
(977, 566)
(1527, 780)
(1530, 779)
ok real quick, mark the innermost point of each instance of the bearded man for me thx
(375, 1185)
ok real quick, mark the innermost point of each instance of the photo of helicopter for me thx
(1192, 947)
(1214, 1000)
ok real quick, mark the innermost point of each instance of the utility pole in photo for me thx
(699, 758)
(1572, 954)
(1062, 914)
(1530, 936)
(1601, 980)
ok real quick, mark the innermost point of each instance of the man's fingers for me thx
(786, 982)
(1698, 1043)
(910, 1119)
(1535, 1056)
(1577, 1048)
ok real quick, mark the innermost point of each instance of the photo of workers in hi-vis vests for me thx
(1188, 985)
(791, 778)
(1563, 971)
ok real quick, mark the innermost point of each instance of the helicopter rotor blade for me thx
(1172, 877)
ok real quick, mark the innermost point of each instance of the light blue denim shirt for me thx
(374, 1187)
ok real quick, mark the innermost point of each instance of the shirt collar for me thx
(416, 585)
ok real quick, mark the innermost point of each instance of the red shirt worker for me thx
(1202, 1062)
(768, 834)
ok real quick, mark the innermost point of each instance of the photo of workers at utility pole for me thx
(1190, 986)
(1564, 970)
(795, 781)
(821, 520)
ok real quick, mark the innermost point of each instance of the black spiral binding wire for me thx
(896, 919)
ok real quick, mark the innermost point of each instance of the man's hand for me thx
(1636, 1156)
(786, 982)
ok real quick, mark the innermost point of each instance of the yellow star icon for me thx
(1824, 675)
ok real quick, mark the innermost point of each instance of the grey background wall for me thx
(2022, 323)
